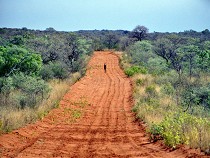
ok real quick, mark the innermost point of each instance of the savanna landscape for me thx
(57, 100)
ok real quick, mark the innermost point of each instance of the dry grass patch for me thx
(12, 118)
(165, 119)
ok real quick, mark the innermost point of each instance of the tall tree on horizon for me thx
(139, 32)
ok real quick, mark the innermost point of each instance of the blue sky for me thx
(72, 15)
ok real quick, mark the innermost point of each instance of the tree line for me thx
(29, 59)
(171, 85)
(54, 54)
(177, 63)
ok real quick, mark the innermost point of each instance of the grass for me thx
(13, 118)
(76, 114)
(165, 120)
(74, 110)
(82, 102)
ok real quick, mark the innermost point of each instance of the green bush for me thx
(34, 89)
(17, 40)
(140, 52)
(7, 85)
(30, 89)
(54, 70)
(196, 95)
(183, 128)
(60, 70)
(129, 72)
(169, 77)
(155, 131)
(157, 66)
(19, 80)
(135, 70)
(18, 59)
(172, 131)
(46, 72)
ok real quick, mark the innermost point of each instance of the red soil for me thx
(107, 127)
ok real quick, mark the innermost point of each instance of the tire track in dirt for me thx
(107, 127)
(102, 120)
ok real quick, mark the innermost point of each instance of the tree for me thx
(206, 32)
(59, 70)
(140, 52)
(111, 40)
(15, 58)
(204, 57)
(17, 40)
(189, 53)
(169, 51)
(163, 47)
(78, 47)
(32, 89)
(157, 66)
(50, 29)
(125, 42)
(73, 43)
(139, 32)
(166, 49)
(6, 88)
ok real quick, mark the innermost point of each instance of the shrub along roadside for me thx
(135, 70)
(14, 117)
(165, 120)
(184, 128)
(29, 61)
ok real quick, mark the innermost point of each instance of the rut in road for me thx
(107, 127)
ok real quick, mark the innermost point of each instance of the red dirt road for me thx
(106, 128)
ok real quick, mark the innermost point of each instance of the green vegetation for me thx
(170, 72)
(30, 61)
(134, 70)
(172, 95)
(75, 110)
(76, 114)
(179, 128)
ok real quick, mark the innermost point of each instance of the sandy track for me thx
(106, 128)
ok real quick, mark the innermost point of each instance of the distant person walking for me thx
(105, 67)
